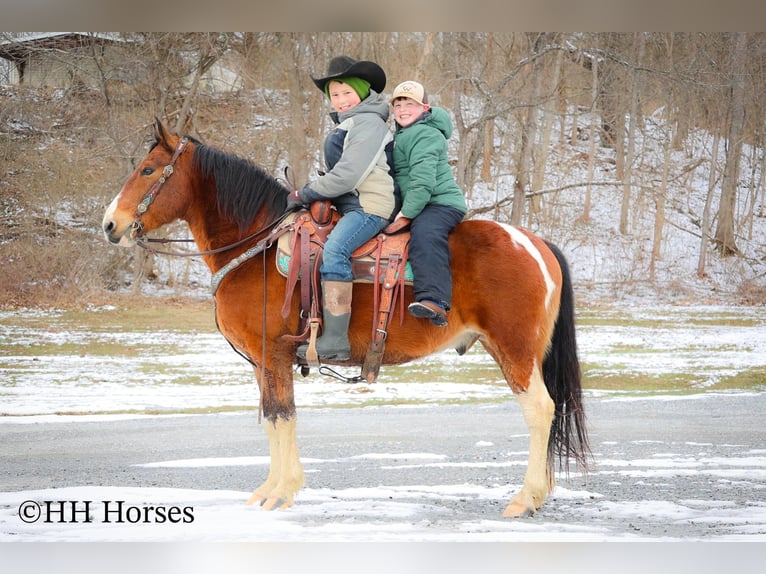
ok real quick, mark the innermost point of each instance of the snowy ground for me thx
(686, 480)
(392, 474)
(173, 371)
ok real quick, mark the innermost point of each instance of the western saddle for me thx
(381, 261)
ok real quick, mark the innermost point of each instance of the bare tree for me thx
(630, 148)
(547, 120)
(591, 141)
(706, 213)
(724, 234)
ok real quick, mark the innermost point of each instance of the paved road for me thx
(658, 462)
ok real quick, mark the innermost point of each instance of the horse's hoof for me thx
(255, 498)
(517, 510)
(276, 503)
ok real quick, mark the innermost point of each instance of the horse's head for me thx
(154, 193)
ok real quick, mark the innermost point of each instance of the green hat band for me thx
(360, 86)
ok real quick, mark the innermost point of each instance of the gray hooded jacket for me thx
(358, 175)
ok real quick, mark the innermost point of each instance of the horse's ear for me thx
(162, 135)
(160, 132)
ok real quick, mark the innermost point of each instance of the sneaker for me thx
(428, 310)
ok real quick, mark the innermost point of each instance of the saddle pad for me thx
(363, 267)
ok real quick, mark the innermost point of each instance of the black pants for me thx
(429, 253)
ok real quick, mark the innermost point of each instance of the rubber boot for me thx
(334, 344)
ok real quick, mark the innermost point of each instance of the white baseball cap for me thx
(411, 89)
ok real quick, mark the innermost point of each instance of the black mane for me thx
(243, 188)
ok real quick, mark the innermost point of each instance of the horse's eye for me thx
(147, 171)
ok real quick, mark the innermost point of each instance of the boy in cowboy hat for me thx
(430, 196)
(358, 182)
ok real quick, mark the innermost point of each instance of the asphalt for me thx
(672, 432)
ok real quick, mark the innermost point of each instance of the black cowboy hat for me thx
(345, 67)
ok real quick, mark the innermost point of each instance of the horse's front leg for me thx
(538, 410)
(285, 476)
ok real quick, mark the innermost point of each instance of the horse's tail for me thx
(561, 372)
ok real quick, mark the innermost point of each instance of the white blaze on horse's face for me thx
(519, 238)
(116, 228)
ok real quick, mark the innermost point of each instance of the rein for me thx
(148, 198)
(276, 228)
(144, 243)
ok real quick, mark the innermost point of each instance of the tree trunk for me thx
(591, 141)
(708, 203)
(528, 143)
(489, 130)
(206, 59)
(549, 110)
(300, 159)
(659, 212)
(754, 187)
(724, 234)
(521, 183)
(420, 69)
(638, 52)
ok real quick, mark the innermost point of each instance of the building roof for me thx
(20, 47)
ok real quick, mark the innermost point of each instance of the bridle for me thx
(137, 227)
(136, 234)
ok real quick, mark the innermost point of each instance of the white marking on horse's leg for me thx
(519, 238)
(262, 492)
(538, 410)
(288, 479)
(291, 479)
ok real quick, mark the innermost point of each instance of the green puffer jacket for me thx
(420, 164)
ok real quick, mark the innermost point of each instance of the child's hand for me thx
(294, 201)
(400, 223)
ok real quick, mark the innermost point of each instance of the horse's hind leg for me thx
(285, 476)
(538, 410)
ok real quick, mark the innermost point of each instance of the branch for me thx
(570, 186)
(509, 199)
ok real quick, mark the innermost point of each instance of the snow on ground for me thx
(174, 370)
(76, 386)
(386, 513)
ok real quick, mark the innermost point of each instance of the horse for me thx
(512, 292)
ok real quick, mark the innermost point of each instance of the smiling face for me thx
(342, 96)
(407, 111)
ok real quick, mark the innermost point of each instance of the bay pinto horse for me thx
(512, 292)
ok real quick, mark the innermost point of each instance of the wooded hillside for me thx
(574, 135)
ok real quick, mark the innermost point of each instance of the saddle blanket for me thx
(362, 260)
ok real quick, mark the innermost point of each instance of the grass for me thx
(668, 317)
(435, 372)
(150, 317)
(641, 382)
(618, 378)
(753, 379)
(153, 316)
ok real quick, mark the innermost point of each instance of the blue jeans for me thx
(429, 253)
(351, 231)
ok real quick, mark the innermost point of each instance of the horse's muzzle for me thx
(115, 232)
(109, 228)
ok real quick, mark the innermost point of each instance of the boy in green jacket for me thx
(430, 197)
